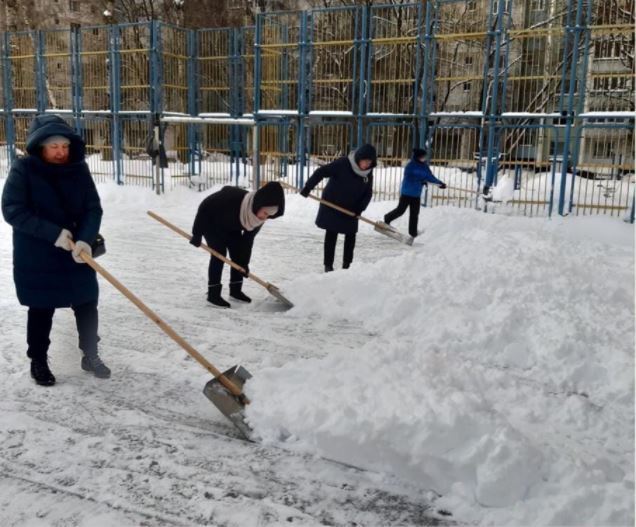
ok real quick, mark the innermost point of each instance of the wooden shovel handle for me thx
(332, 205)
(164, 326)
(214, 253)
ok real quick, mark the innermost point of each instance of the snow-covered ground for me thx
(487, 371)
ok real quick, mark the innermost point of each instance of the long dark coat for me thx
(39, 200)
(346, 189)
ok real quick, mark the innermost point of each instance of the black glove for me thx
(304, 192)
(247, 269)
(442, 186)
(196, 240)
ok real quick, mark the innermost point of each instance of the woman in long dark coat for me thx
(350, 186)
(229, 220)
(50, 199)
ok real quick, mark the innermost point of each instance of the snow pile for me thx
(500, 375)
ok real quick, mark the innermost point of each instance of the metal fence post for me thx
(115, 103)
(8, 99)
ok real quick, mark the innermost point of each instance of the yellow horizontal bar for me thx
(216, 57)
(21, 56)
(95, 87)
(329, 81)
(174, 55)
(584, 206)
(88, 53)
(392, 81)
(215, 88)
(532, 77)
(175, 86)
(65, 54)
(135, 86)
(275, 82)
(327, 43)
(394, 40)
(133, 50)
(613, 74)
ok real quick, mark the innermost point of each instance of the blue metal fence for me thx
(519, 109)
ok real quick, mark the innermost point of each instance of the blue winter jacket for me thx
(39, 200)
(416, 175)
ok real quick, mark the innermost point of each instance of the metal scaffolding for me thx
(536, 95)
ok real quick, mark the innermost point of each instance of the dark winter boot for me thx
(41, 373)
(93, 363)
(328, 268)
(235, 292)
(214, 296)
(345, 265)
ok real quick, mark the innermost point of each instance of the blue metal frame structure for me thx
(297, 43)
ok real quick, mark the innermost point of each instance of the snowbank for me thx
(501, 375)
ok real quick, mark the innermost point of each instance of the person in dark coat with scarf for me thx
(50, 200)
(229, 220)
(416, 174)
(350, 186)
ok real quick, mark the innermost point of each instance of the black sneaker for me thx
(95, 364)
(328, 268)
(241, 296)
(41, 373)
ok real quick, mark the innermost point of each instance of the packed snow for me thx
(487, 372)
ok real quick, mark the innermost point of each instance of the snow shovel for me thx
(225, 390)
(378, 226)
(272, 289)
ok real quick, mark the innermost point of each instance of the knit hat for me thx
(366, 152)
(55, 139)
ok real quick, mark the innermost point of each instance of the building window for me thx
(495, 7)
(471, 5)
(537, 5)
(607, 48)
(602, 149)
(467, 86)
(57, 21)
(74, 5)
(609, 84)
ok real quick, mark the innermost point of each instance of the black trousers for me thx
(331, 237)
(40, 321)
(215, 268)
(413, 204)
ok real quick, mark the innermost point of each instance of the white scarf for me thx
(248, 219)
(362, 173)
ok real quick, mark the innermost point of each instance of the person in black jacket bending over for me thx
(50, 200)
(350, 186)
(229, 220)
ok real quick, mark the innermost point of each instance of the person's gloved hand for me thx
(442, 186)
(64, 240)
(247, 268)
(196, 240)
(81, 246)
(304, 192)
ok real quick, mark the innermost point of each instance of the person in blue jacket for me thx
(350, 186)
(416, 174)
(50, 200)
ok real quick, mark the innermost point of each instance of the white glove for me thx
(81, 246)
(64, 240)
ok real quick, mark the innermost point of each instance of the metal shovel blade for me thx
(275, 292)
(389, 231)
(230, 405)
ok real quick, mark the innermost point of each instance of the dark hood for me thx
(270, 195)
(366, 152)
(44, 126)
